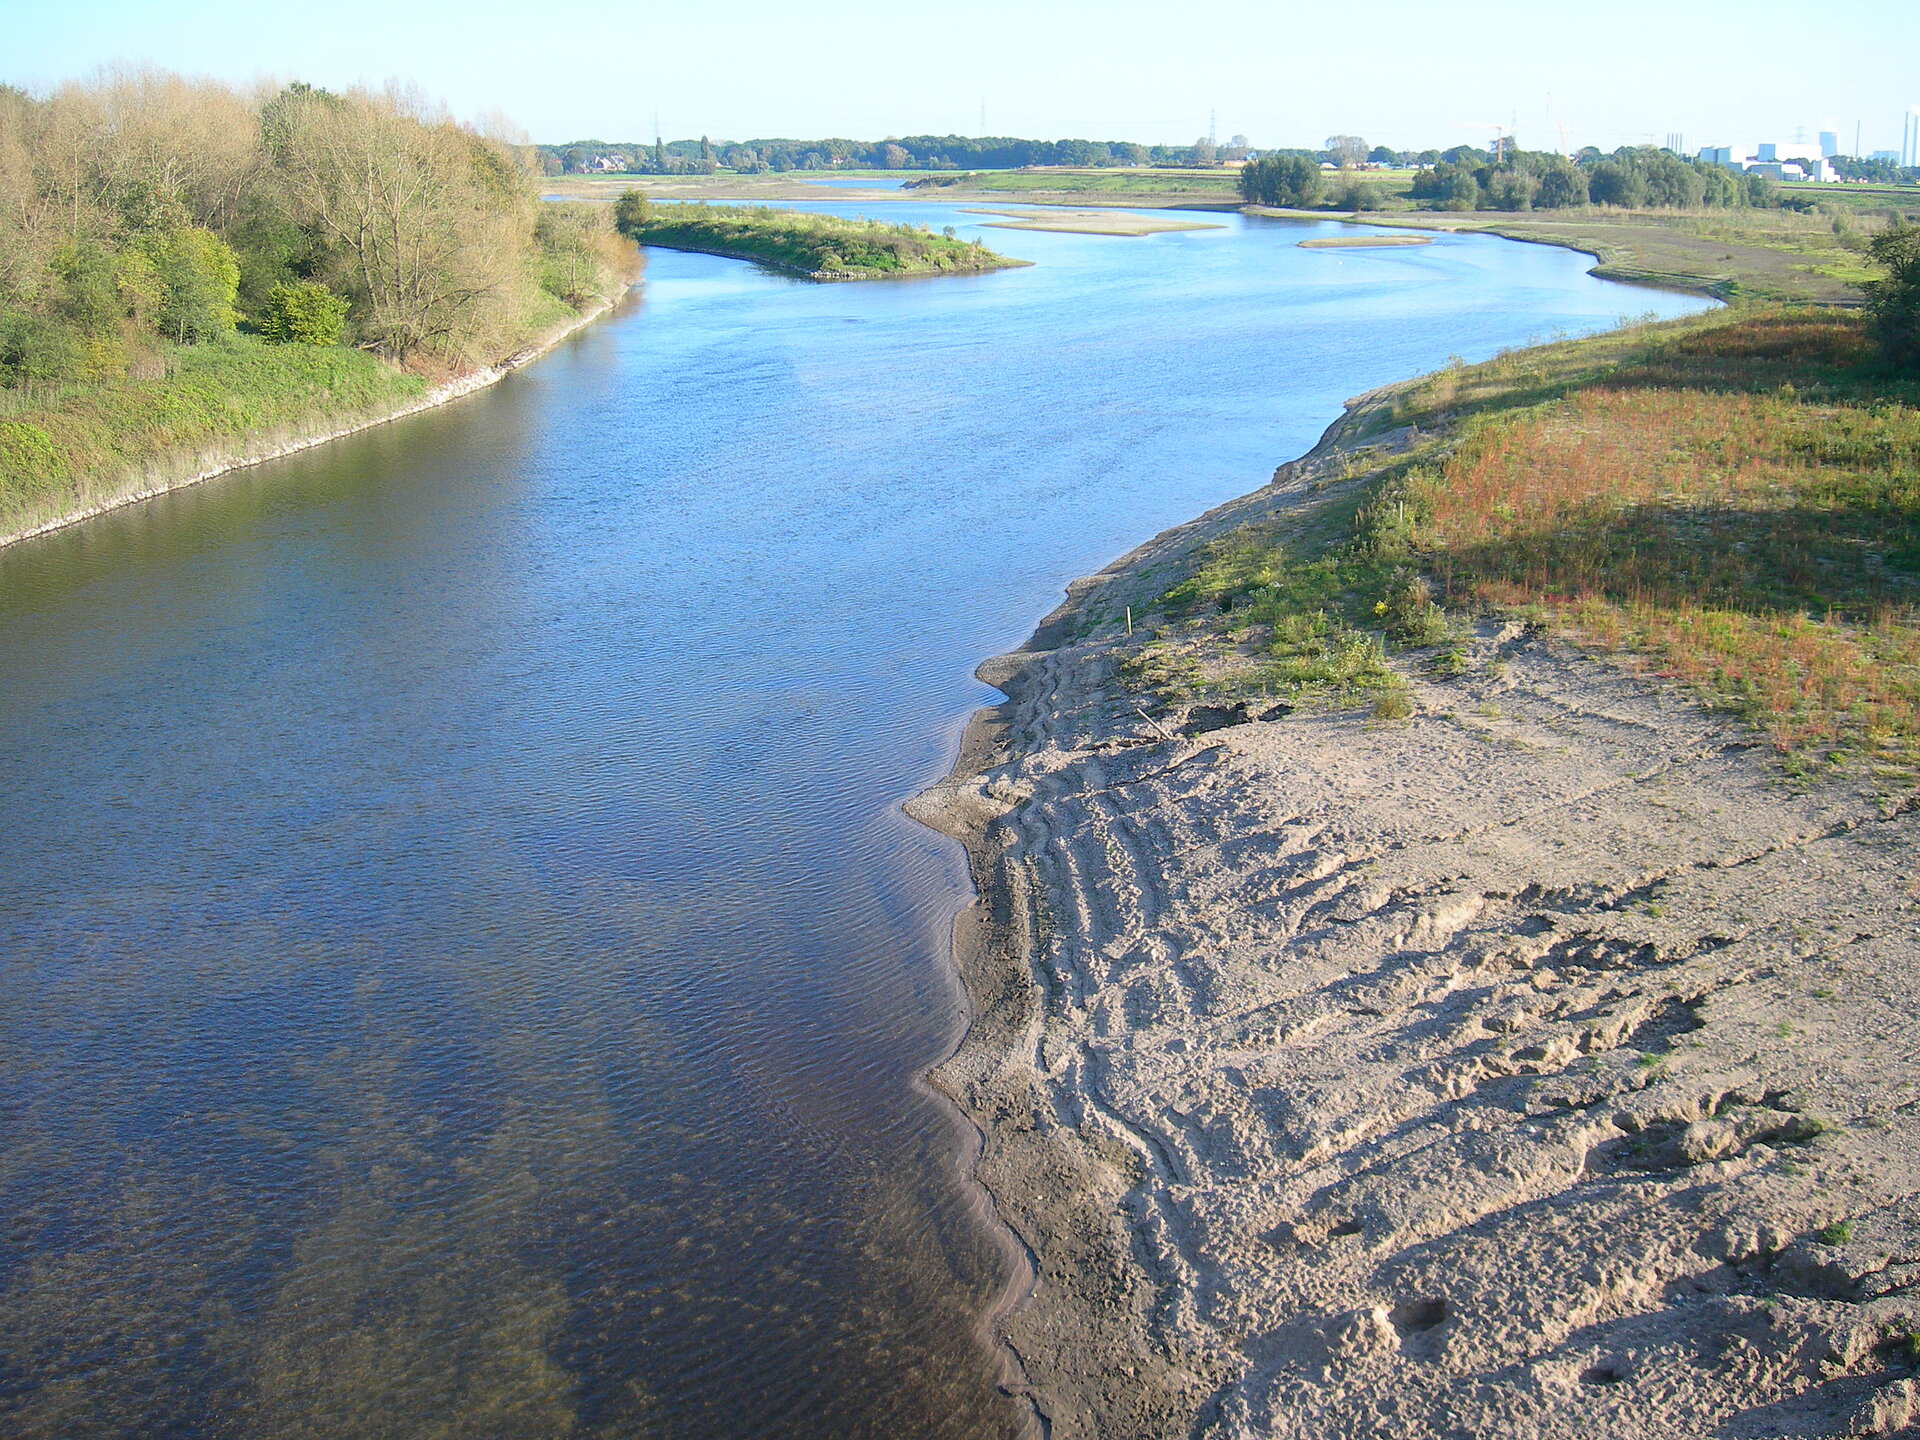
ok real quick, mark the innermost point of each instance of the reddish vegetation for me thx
(1743, 503)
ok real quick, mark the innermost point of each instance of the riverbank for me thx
(1481, 1035)
(300, 421)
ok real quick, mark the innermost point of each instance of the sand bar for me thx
(1364, 242)
(1091, 222)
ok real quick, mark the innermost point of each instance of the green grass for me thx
(86, 445)
(825, 247)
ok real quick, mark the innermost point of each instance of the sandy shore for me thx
(191, 468)
(1541, 1065)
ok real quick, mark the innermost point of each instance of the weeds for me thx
(1734, 497)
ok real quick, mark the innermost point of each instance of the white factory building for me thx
(1778, 160)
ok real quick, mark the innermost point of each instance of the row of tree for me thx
(142, 210)
(1466, 179)
(910, 152)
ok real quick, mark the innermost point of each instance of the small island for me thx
(819, 247)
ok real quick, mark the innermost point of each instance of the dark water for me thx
(464, 972)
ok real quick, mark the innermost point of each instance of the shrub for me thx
(1394, 704)
(1893, 304)
(304, 314)
(1356, 195)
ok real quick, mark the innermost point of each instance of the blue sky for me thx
(1282, 73)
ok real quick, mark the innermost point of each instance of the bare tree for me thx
(1349, 152)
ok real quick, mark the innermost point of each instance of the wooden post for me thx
(1129, 622)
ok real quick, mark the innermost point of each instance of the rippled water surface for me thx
(464, 971)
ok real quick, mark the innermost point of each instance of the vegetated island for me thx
(819, 247)
(1444, 953)
(194, 278)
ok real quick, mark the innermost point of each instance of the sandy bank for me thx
(190, 468)
(1542, 1065)
(1091, 222)
(1364, 242)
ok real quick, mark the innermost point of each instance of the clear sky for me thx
(1285, 73)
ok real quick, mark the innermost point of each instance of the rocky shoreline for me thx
(1540, 1064)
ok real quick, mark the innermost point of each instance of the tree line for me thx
(141, 211)
(911, 152)
(1464, 178)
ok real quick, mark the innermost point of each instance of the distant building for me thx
(1772, 159)
(1829, 144)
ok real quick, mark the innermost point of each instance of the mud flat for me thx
(1542, 1064)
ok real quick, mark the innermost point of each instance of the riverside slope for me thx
(190, 465)
(1538, 1066)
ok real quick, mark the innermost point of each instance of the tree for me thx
(199, 279)
(630, 212)
(1562, 186)
(423, 225)
(1893, 303)
(306, 313)
(1203, 151)
(1614, 182)
(1346, 151)
(1460, 191)
(1286, 181)
(1447, 187)
(1511, 190)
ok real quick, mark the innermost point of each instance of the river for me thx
(465, 971)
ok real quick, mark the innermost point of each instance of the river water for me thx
(465, 973)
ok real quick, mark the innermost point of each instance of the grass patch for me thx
(1303, 608)
(79, 446)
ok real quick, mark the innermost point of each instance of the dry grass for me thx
(1742, 504)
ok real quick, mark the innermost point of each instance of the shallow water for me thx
(465, 971)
